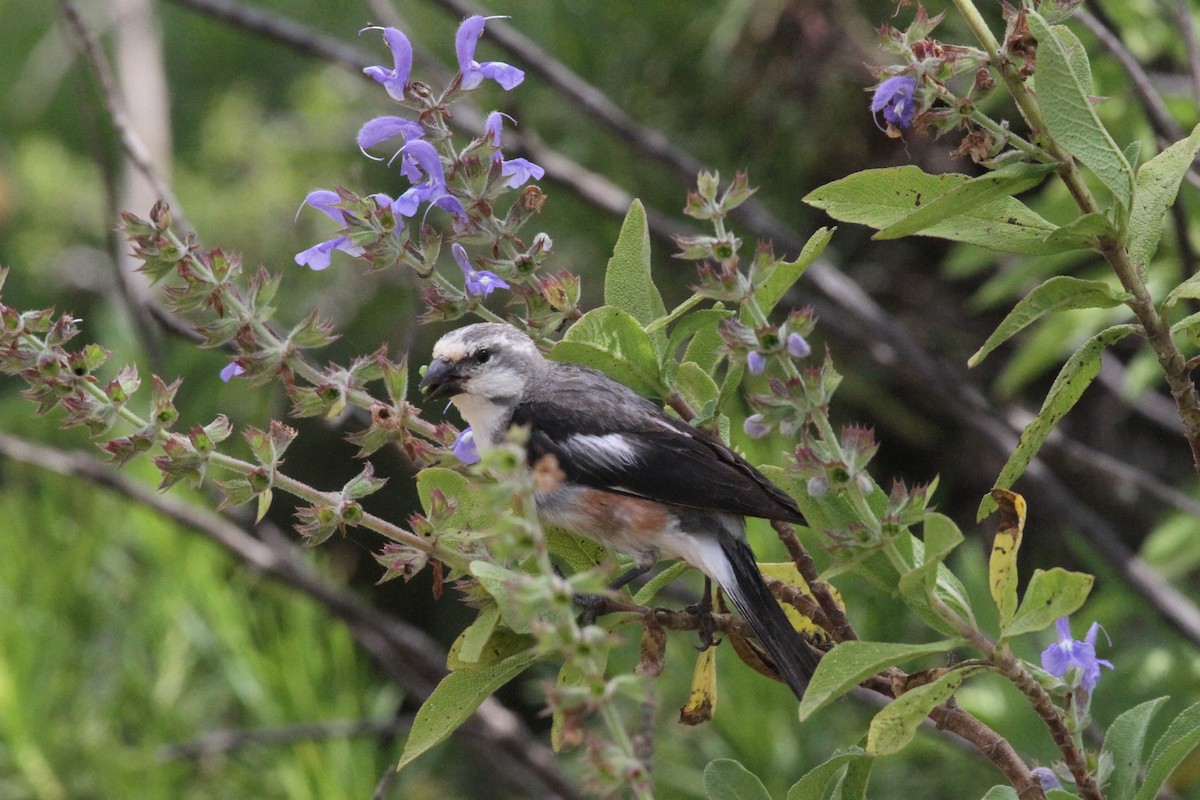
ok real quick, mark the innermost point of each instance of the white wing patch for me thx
(610, 450)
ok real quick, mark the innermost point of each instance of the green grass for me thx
(121, 633)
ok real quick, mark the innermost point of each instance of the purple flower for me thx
(492, 129)
(1046, 776)
(894, 97)
(756, 426)
(381, 129)
(231, 371)
(1059, 657)
(480, 282)
(464, 448)
(395, 80)
(519, 171)
(320, 255)
(325, 201)
(422, 165)
(797, 346)
(473, 73)
(756, 362)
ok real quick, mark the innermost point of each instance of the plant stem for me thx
(1155, 324)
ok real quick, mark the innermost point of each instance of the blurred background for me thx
(168, 653)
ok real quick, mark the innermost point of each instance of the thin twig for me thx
(218, 742)
(131, 143)
(1185, 24)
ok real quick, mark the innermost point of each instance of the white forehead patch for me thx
(451, 347)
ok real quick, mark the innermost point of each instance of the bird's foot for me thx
(703, 610)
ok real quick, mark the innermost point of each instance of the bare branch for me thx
(132, 144)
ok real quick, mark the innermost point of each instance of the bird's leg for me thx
(593, 603)
(704, 612)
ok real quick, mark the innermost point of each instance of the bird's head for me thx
(488, 362)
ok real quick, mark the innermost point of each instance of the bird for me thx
(622, 471)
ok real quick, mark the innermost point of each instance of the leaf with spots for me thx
(1007, 181)
(852, 662)
(895, 726)
(880, 198)
(1075, 376)
(1051, 594)
(1002, 566)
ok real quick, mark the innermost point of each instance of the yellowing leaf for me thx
(1002, 567)
(702, 699)
(786, 572)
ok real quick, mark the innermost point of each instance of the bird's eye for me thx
(483, 356)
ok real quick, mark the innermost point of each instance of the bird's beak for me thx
(442, 379)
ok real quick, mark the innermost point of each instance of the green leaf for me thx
(785, 274)
(1070, 118)
(853, 785)
(705, 348)
(1075, 376)
(1077, 58)
(579, 553)
(612, 341)
(1125, 742)
(1157, 185)
(698, 388)
(1009, 180)
(1001, 793)
(942, 536)
(473, 639)
(1180, 738)
(628, 284)
(1060, 293)
(895, 726)
(813, 784)
(470, 511)
(653, 586)
(726, 779)
(694, 325)
(852, 662)
(455, 699)
(1188, 290)
(882, 197)
(1050, 595)
(1083, 232)
(504, 585)
(486, 651)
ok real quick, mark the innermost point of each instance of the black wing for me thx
(605, 435)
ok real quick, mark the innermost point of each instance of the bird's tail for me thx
(754, 601)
